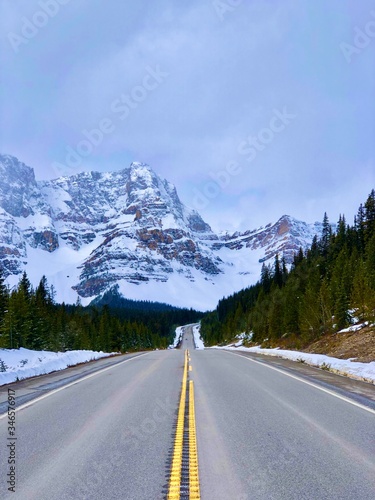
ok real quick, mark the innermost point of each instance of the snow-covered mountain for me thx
(91, 231)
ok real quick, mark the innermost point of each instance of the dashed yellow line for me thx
(194, 491)
(174, 490)
(175, 478)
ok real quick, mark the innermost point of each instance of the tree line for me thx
(30, 318)
(325, 287)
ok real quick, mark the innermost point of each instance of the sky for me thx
(252, 108)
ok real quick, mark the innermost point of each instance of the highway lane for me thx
(34, 387)
(108, 436)
(261, 434)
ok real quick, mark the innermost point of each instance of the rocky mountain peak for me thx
(93, 230)
(145, 187)
(17, 186)
(142, 173)
(12, 169)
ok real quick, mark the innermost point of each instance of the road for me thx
(264, 431)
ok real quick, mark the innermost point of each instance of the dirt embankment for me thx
(359, 345)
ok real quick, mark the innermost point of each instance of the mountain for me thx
(285, 238)
(93, 231)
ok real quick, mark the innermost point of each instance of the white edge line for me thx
(336, 395)
(29, 403)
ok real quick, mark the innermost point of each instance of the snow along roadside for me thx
(180, 330)
(198, 342)
(177, 338)
(347, 367)
(19, 364)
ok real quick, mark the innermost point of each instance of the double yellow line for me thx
(175, 477)
(194, 492)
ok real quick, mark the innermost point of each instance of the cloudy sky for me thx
(252, 108)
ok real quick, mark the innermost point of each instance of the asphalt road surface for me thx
(264, 431)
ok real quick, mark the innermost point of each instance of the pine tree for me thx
(310, 314)
(266, 278)
(326, 235)
(326, 309)
(370, 261)
(370, 216)
(340, 238)
(284, 270)
(24, 286)
(341, 309)
(41, 318)
(275, 314)
(42, 293)
(292, 295)
(21, 314)
(310, 307)
(298, 258)
(3, 294)
(313, 252)
(359, 226)
(277, 273)
(3, 310)
(104, 326)
(363, 296)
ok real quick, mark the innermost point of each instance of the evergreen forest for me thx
(30, 318)
(321, 292)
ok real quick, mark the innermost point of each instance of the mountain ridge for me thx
(90, 231)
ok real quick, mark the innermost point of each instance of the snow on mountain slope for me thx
(90, 231)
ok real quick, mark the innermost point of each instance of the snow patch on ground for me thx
(354, 328)
(178, 337)
(353, 369)
(25, 363)
(197, 336)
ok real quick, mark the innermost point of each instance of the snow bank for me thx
(353, 369)
(354, 328)
(178, 336)
(17, 364)
(198, 342)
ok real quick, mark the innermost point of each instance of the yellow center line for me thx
(175, 478)
(194, 491)
(174, 490)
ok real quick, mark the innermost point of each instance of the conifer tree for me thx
(313, 252)
(340, 238)
(24, 286)
(298, 258)
(370, 215)
(275, 314)
(3, 310)
(370, 261)
(362, 297)
(266, 278)
(21, 313)
(284, 270)
(277, 273)
(359, 226)
(326, 235)
(341, 309)
(41, 317)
